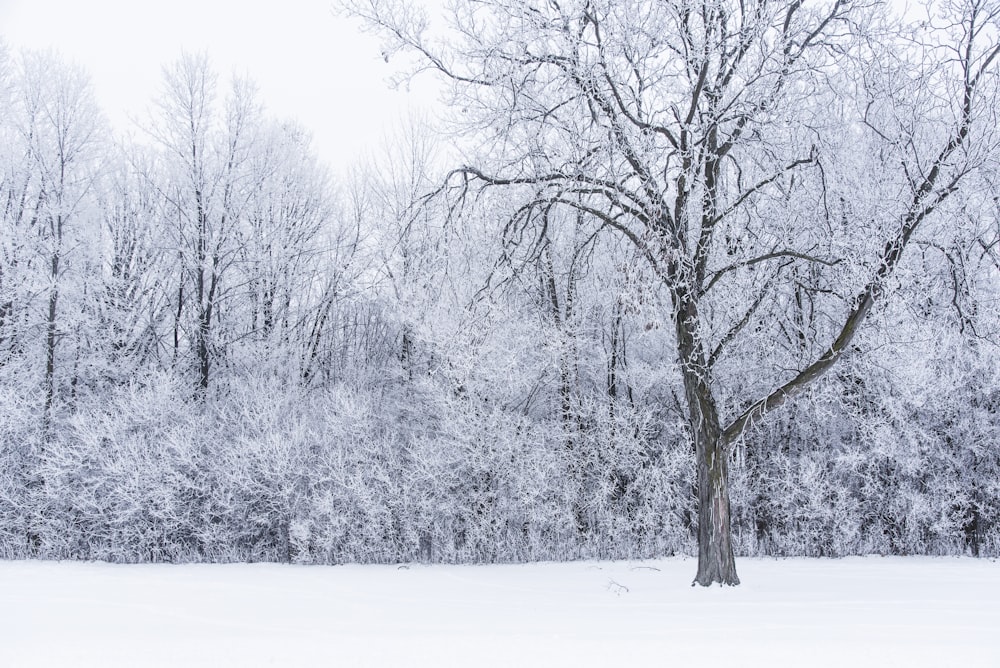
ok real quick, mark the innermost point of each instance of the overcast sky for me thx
(309, 63)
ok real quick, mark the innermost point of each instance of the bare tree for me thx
(59, 131)
(405, 239)
(211, 184)
(721, 138)
(134, 304)
(290, 241)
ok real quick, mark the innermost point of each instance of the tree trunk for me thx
(715, 548)
(204, 356)
(51, 341)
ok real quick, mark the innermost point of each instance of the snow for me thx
(905, 611)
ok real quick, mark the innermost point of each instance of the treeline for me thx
(212, 350)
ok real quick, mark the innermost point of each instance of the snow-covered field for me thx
(790, 612)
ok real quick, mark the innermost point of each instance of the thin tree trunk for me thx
(51, 340)
(204, 358)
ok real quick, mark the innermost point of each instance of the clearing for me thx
(879, 611)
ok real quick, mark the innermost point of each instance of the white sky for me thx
(309, 64)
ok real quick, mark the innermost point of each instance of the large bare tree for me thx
(769, 159)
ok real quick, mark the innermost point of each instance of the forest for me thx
(708, 277)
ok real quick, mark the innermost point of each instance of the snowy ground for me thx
(791, 612)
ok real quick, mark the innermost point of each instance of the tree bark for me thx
(51, 338)
(51, 341)
(716, 562)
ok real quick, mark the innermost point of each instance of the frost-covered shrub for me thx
(416, 469)
(886, 463)
(119, 480)
(636, 488)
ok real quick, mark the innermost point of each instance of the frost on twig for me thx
(617, 588)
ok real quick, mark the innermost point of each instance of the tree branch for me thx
(775, 255)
